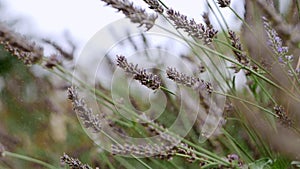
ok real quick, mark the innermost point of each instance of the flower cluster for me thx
(19, 46)
(147, 79)
(282, 116)
(52, 61)
(168, 147)
(161, 151)
(235, 159)
(73, 163)
(240, 56)
(275, 42)
(135, 14)
(154, 4)
(195, 30)
(194, 82)
(206, 20)
(224, 3)
(89, 119)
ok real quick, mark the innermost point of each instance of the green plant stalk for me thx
(265, 148)
(106, 160)
(124, 162)
(229, 137)
(208, 154)
(211, 165)
(142, 162)
(246, 101)
(174, 165)
(196, 158)
(294, 74)
(219, 22)
(163, 4)
(27, 158)
(255, 138)
(81, 82)
(264, 90)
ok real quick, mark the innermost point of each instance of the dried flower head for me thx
(73, 163)
(135, 14)
(89, 119)
(204, 89)
(19, 46)
(162, 151)
(240, 56)
(206, 20)
(52, 61)
(224, 3)
(188, 151)
(282, 116)
(193, 82)
(155, 5)
(197, 31)
(147, 79)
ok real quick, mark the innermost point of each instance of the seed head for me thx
(224, 3)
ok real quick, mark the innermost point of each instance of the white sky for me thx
(81, 18)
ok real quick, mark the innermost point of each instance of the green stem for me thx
(237, 144)
(142, 162)
(264, 90)
(246, 101)
(26, 158)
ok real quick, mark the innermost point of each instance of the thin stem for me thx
(246, 101)
(237, 144)
(142, 162)
(30, 159)
(264, 90)
(196, 158)
(222, 16)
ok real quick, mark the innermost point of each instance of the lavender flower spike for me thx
(224, 3)
(135, 14)
(195, 30)
(19, 46)
(275, 42)
(145, 78)
(155, 5)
